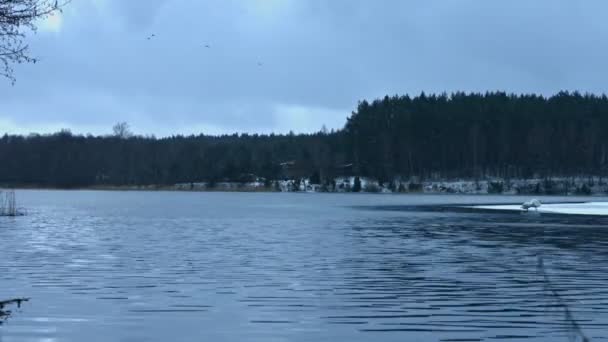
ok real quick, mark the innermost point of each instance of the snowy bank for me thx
(587, 208)
(582, 185)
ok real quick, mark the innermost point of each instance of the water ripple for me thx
(178, 266)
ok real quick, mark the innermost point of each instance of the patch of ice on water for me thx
(588, 208)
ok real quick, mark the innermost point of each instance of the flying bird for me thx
(151, 36)
(207, 46)
(260, 64)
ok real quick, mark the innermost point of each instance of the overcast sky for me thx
(280, 65)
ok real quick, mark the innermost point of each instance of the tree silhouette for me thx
(470, 136)
(121, 130)
(16, 18)
(357, 185)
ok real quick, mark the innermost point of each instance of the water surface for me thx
(170, 266)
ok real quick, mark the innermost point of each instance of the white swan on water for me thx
(534, 203)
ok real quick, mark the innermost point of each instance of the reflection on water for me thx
(109, 266)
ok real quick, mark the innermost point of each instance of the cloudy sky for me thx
(280, 65)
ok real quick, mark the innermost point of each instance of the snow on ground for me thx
(587, 208)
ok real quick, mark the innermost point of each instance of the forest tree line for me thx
(428, 136)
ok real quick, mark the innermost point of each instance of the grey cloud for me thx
(318, 57)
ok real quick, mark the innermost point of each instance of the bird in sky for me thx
(207, 46)
(151, 36)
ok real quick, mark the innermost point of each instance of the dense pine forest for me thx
(428, 136)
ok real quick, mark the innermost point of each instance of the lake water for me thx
(170, 266)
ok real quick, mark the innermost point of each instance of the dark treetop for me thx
(458, 135)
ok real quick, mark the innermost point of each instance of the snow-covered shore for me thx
(584, 185)
(592, 185)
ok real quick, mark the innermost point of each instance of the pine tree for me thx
(357, 185)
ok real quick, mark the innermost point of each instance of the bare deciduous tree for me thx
(122, 130)
(17, 17)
